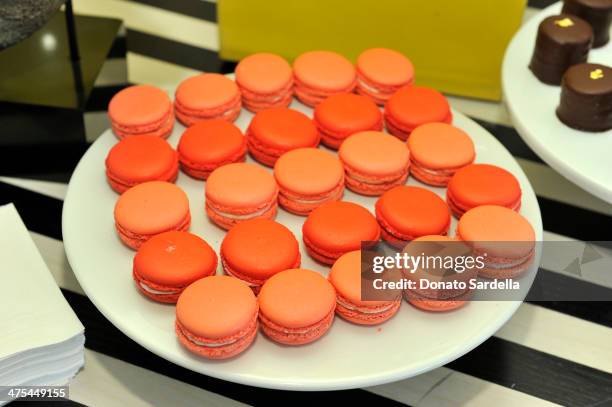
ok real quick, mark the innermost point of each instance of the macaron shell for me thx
(260, 248)
(241, 186)
(412, 211)
(375, 153)
(216, 307)
(346, 113)
(139, 105)
(283, 128)
(308, 171)
(211, 141)
(206, 91)
(324, 70)
(175, 259)
(152, 207)
(141, 158)
(338, 227)
(441, 146)
(297, 298)
(385, 67)
(412, 106)
(497, 230)
(263, 73)
(483, 184)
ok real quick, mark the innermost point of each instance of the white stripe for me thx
(444, 387)
(106, 381)
(143, 69)
(113, 72)
(154, 21)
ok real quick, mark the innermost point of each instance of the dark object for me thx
(20, 18)
(598, 13)
(563, 40)
(586, 98)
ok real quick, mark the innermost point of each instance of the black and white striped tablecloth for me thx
(548, 353)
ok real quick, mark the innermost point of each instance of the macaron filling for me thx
(163, 123)
(296, 336)
(154, 291)
(236, 340)
(135, 240)
(459, 209)
(121, 185)
(241, 215)
(252, 282)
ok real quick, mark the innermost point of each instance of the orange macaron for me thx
(141, 110)
(412, 106)
(320, 74)
(407, 212)
(296, 306)
(439, 299)
(438, 151)
(342, 115)
(139, 159)
(336, 228)
(255, 250)
(207, 96)
(381, 72)
(374, 162)
(216, 317)
(238, 192)
(345, 276)
(482, 184)
(507, 238)
(307, 178)
(167, 263)
(265, 81)
(149, 209)
(273, 132)
(208, 145)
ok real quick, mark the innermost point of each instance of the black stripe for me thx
(101, 96)
(536, 373)
(177, 52)
(203, 10)
(118, 49)
(40, 213)
(509, 137)
(540, 3)
(102, 336)
(574, 222)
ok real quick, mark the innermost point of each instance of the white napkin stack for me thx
(41, 339)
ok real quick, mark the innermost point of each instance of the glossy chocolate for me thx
(586, 98)
(598, 13)
(563, 40)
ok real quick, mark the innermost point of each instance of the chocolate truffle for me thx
(586, 97)
(563, 40)
(598, 13)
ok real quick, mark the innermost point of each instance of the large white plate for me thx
(348, 356)
(582, 157)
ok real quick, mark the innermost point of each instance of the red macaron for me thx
(482, 184)
(138, 159)
(273, 132)
(167, 263)
(208, 145)
(342, 115)
(255, 250)
(412, 106)
(407, 212)
(336, 228)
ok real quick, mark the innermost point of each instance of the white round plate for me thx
(582, 157)
(349, 356)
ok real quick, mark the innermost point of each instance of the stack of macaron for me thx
(260, 285)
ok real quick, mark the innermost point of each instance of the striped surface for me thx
(548, 353)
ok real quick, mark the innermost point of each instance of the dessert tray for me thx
(348, 356)
(582, 157)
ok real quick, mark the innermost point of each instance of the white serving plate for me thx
(582, 157)
(349, 356)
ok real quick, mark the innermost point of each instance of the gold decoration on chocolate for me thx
(596, 74)
(564, 23)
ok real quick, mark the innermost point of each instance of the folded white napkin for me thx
(41, 339)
